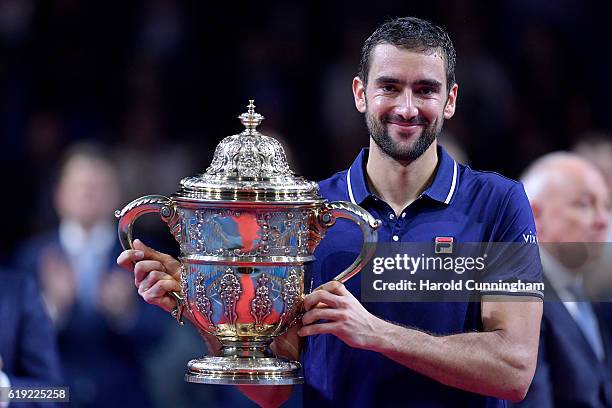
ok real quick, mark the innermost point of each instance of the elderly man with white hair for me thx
(570, 203)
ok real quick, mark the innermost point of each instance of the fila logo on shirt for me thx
(444, 245)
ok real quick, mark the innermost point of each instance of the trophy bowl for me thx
(247, 229)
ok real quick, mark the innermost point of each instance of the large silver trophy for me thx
(247, 228)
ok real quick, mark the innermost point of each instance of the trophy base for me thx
(244, 371)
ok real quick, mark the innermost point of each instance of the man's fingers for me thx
(150, 253)
(335, 287)
(155, 293)
(321, 296)
(144, 268)
(171, 264)
(151, 279)
(321, 314)
(320, 328)
(129, 257)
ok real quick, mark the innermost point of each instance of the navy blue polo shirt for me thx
(469, 206)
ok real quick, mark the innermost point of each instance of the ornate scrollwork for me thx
(184, 284)
(281, 233)
(316, 232)
(291, 294)
(261, 304)
(203, 303)
(250, 166)
(230, 291)
(249, 155)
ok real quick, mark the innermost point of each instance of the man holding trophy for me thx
(417, 353)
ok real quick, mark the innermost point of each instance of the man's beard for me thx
(379, 132)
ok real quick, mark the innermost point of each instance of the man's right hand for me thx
(155, 274)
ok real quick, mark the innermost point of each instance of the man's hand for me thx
(500, 361)
(155, 274)
(345, 316)
(116, 299)
(58, 283)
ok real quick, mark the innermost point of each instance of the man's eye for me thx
(582, 204)
(388, 88)
(426, 91)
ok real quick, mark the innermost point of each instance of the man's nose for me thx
(602, 218)
(406, 105)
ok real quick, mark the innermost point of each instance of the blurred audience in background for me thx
(28, 355)
(570, 202)
(596, 148)
(102, 325)
(161, 82)
(108, 338)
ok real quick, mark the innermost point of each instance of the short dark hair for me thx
(88, 149)
(410, 33)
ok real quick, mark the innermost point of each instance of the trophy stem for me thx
(246, 349)
(245, 362)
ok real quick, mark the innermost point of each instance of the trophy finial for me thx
(251, 119)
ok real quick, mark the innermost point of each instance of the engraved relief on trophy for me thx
(247, 227)
(239, 234)
(261, 305)
(230, 291)
(235, 301)
(291, 294)
(203, 303)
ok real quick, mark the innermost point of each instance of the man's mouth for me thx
(406, 123)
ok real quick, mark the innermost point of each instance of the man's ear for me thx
(359, 94)
(449, 109)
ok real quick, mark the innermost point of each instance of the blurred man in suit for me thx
(102, 326)
(596, 147)
(28, 357)
(570, 203)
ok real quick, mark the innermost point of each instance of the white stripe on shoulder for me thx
(453, 184)
(350, 189)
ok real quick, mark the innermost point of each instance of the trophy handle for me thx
(367, 223)
(167, 211)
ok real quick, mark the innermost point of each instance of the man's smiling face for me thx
(406, 100)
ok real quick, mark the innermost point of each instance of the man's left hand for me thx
(344, 316)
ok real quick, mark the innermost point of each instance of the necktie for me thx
(587, 321)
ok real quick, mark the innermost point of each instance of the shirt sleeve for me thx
(513, 264)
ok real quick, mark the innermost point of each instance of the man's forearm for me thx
(484, 362)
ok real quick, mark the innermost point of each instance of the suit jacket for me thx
(103, 365)
(568, 373)
(27, 341)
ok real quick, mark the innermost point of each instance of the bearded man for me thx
(475, 354)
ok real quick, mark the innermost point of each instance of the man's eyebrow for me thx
(429, 82)
(388, 80)
(392, 80)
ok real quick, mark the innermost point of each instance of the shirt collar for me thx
(558, 275)
(442, 188)
(76, 240)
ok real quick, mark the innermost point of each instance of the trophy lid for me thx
(249, 167)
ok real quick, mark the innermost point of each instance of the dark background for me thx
(169, 78)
